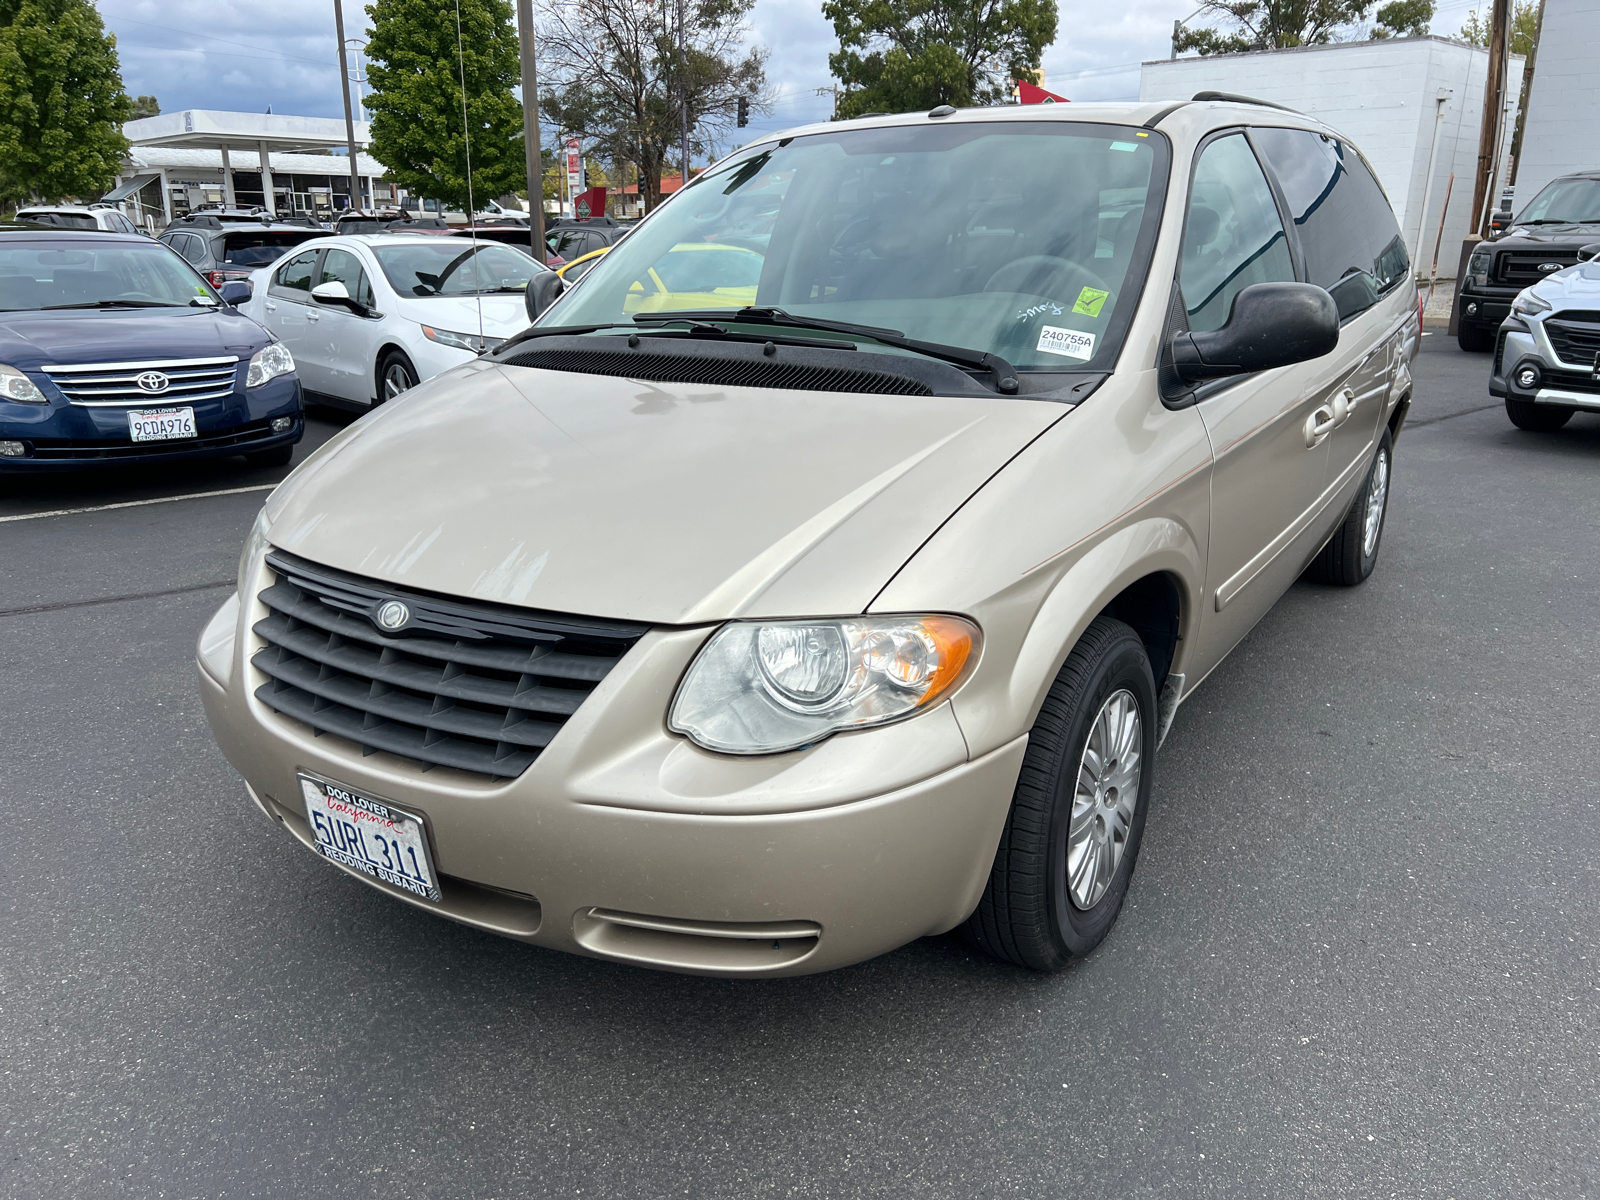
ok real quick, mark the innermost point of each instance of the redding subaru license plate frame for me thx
(370, 835)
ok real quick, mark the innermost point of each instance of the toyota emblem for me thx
(393, 615)
(153, 381)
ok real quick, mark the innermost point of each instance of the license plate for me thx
(161, 424)
(371, 836)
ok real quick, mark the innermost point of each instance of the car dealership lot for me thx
(1358, 958)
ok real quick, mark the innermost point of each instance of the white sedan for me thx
(368, 316)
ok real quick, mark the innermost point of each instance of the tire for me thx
(1352, 551)
(395, 376)
(1537, 418)
(1474, 340)
(276, 457)
(1031, 913)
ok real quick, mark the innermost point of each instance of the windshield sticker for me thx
(1125, 145)
(1049, 307)
(1068, 343)
(1089, 301)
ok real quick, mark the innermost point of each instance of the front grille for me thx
(478, 687)
(1574, 335)
(242, 437)
(1519, 268)
(96, 385)
(730, 372)
(1572, 381)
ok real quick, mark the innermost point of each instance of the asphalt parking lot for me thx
(1359, 957)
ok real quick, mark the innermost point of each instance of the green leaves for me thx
(61, 102)
(905, 55)
(416, 98)
(1272, 24)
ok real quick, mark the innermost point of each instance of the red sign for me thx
(1032, 93)
(590, 204)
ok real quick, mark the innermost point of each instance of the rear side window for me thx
(294, 276)
(1233, 236)
(1347, 230)
(258, 249)
(340, 266)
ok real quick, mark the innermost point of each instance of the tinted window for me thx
(340, 266)
(1574, 200)
(59, 220)
(1347, 230)
(295, 275)
(1233, 236)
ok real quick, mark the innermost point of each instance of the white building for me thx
(1405, 102)
(1562, 131)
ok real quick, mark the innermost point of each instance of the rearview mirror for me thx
(1270, 325)
(1589, 253)
(234, 293)
(543, 290)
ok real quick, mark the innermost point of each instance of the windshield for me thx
(1026, 240)
(36, 275)
(258, 249)
(446, 267)
(60, 220)
(1566, 200)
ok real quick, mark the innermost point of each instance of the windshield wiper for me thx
(696, 329)
(1005, 375)
(113, 304)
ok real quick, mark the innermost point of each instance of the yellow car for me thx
(690, 275)
(576, 269)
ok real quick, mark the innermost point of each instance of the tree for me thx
(905, 55)
(144, 106)
(61, 101)
(1403, 18)
(616, 81)
(1524, 27)
(416, 101)
(1271, 24)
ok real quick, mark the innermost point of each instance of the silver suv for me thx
(1547, 354)
(823, 570)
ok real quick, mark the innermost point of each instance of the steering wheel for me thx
(852, 236)
(712, 213)
(1041, 269)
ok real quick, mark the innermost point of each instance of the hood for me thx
(1581, 283)
(1533, 236)
(666, 503)
(503, 313)
(29, 340)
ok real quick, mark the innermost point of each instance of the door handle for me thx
(1319, 424)
(313, 315)
(270, 306)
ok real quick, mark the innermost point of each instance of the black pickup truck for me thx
(1542, 239)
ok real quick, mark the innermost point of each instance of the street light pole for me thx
(532, 152)
(683, 95)
(349, 116)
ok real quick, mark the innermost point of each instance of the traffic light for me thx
(744, 110)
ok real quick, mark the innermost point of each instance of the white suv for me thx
(72, 216)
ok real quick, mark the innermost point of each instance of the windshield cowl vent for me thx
(743, 364)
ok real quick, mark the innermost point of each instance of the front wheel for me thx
(1352, 551)
(1537, 418)
(1474, 340)
(1077, 816)
(395, 375)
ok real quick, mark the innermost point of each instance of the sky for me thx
(246, 55)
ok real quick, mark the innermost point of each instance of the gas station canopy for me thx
(206, 129)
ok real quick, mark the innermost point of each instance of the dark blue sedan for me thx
(113, 350)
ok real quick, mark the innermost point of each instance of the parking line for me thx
(68, 512)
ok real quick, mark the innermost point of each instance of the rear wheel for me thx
(1537, 418)
(1352, 551)
(1474, 340)
(1077, 816)
(395, 375)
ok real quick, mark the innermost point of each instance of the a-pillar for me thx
(227, 180)
(266, 181)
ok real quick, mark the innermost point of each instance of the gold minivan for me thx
(842, 594)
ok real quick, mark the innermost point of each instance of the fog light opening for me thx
(1528, 378)
(1472, 310)
(282, 424)
(13, 449)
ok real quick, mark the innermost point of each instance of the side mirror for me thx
(543, 290)
(235, 292)
(1270, 325)
(1589, 253)
(332, 292)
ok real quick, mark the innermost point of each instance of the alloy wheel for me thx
(1103, 804)
(396, 380)
(1377, 495)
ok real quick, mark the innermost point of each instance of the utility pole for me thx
(532, 152)
(349, 116)
(830, 91)
(683, 94)
(1494, 105)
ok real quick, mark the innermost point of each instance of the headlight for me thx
(255, 545)
(14, 385)
(1478, 268)
(461, 341)
(761, 687)
(1526, 304)
(268, 363)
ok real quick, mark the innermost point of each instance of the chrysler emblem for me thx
(393, 615)
(1548, 267)
(152, 381)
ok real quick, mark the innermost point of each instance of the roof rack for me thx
(1235, 98)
